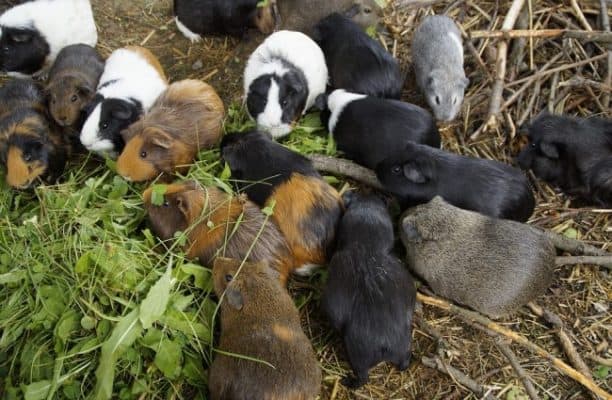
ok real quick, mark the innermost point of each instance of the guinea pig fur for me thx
(72, 83)
(600, 183)
(491, 265)
(492, 188)
(437, 54)
(32, 147)
(282, 79)
(199, 17)
(218, 224)
(32, 34)
(131, 82)
(368, 129)
(376, 325)
(260, 320)
(563, 151)
(355, 61)
(185, 119)
(306, 208)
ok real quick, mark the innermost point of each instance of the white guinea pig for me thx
(282, 79)
(33, 33)
(131, 82)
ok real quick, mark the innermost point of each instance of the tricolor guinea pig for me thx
(355, 61)
(200, 17)
(282, 79)
(32, 34)
(218, 224)
(419, 173)
(259, 320)
(185, 119)
(32, 147)
(132, 80)
(305, 207)
(72, 83)
(368, 129)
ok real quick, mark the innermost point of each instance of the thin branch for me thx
(580, 15)
(605, 22)
(592, 36)
(345, 168)
(458, 376)
(604, 261)
(574, 246)
(518, 368)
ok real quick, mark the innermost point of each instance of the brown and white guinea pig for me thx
(491, 265)
(32, 147)
(72, 83)
(185, 119)
(132, 80)
(200, 17)
(32, 34)
(259, 320)
(219, 224)
(306, 208)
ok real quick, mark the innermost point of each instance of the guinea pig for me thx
(305, 207)
(32, 34)
(72, 83)
(218, 224)
(32, 147)
(199, 17)
(185, 119)
(259, 320)
(132, 80)
(355, 61)
(437, 54)
(376, 325)
(563, 151)
(491, 265)
(368, 129)
(600, 183)
(419, 173)
(282, 79)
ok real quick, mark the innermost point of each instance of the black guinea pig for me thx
(489, 187)
(355, 61)
(563, 151)
(600, 183)
(368, 129)
(369, 296)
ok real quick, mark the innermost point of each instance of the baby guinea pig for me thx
(376, 325)
(259, 320)
(368, 129)
(282, 79)
(218, 224)
(564, 151)
(185, 119)
(306, 208)
(419, 173)
(355, 61)
(72, 83)
(600, 183)
(132, 80)
(33, 33)
(491, 265)
(437, 54)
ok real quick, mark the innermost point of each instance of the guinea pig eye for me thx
(27, 157)
(74, 98)
(396, 170)
(166, 204)
(284, 103)
(533, 145)
(143, 154)
(228, 278)
(438, 100)
(367, 10)
(105, 125)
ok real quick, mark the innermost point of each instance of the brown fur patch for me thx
(131, 166)
(20, 173)
(283, 333)
(150, 58)
(265, 20)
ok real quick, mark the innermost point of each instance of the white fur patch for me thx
(306, 269)
(270, 119)
(192, 36)
(337, 101)
(457, 41)
(89, 132)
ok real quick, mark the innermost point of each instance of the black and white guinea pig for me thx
(282, 79)
(132, 80)
(33, 33)
(368, 129)
(356, 62)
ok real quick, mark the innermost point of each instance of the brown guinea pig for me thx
(72, 83)
(218, 224)
(185, 119)
(259, 320)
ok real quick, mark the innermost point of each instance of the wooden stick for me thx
(542, 74)
(605, 22)
(592, 36)
(345, 168)
(580, 15)
(604, 261)
(402, 4)
(574, 246)
(456, 375)
(518, 368)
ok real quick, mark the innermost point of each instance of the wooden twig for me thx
(593, 36)
(605, 22)
(542, 74)
(458, 376)
(345, 168)
(574, 246)
(579, 81)
(474, 53)
(405, 4)
(604, 261)
(518, 368)
(599, 360)
(580, 15)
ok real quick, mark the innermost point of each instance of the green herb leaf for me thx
(154, 305)
(157, 194)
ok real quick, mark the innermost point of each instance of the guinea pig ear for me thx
(410, 230)
(234, 297)
(123, 112)
(321, 102)
(85, 90)
(550, 150)
(182, 204)
(418, 171)
(21, 37)
(160, 138)
(465, 82)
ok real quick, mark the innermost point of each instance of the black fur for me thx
(22, 50)
(600, 183)
(231, 17)
(369, 296)
(489, 187)
(116, 115)
(356, 62)
(563, 151)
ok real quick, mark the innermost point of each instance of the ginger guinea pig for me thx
(218, 224)
(306, 208)
(186, 118)
(259, 320)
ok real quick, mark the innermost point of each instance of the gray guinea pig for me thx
(492, 265)
(437, 54)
